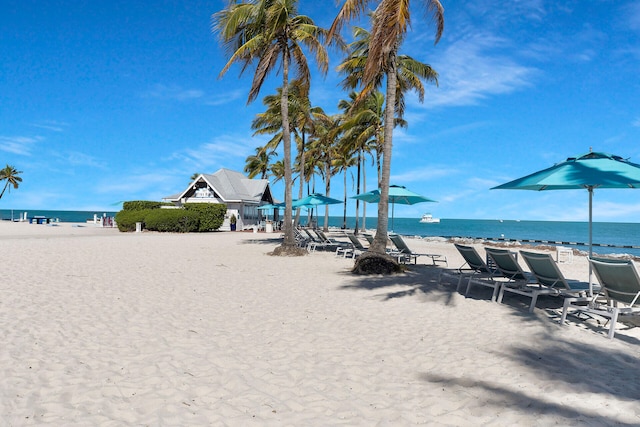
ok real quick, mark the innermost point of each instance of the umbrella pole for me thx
(590, 189)
(393, 208)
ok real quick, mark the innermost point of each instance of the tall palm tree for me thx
(10, 174)
(258, 164)
(272, 34)
(391, 20)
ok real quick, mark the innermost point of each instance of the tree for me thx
(259, 163)
(10, 174)
(391, 20)
(271, 32)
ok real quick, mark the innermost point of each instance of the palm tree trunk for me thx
(355, 230)
(289, 240)
(301, 190)
(364, 205)
(380, 241)
(328, 191)
(344, 215)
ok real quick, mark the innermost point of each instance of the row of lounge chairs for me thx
(618, 291)
(400, 250)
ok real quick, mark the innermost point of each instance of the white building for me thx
(242, 196)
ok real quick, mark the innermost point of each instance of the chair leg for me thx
(534, 298)
(614, 319)
(496, 288)
(501, 295)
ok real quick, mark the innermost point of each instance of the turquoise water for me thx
(62, 216)
(608, 237)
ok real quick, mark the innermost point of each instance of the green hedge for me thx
(211, 214)
(138, 205)
(193, 217)
(172, 220)
(126, 220)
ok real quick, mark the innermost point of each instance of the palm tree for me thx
(410, 72)
(10, 174)
(270, 32)
(258, 164)
(302, 116)
(391, 19)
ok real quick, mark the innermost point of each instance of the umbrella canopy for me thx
(397, 194)
(588, 171)
(315, 199)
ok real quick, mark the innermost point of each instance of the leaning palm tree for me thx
(391, 20)
(10, 174)
(271, 33)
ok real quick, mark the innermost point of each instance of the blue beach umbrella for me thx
(397, 194)
(588, 171)
(315, 199)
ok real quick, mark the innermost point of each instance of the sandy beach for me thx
(104, 328)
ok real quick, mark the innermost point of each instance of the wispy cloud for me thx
(225, 97)
(173, 92)
(423, 174)
(211, 155)
(51, 125)
(474, 72)
(21, 145)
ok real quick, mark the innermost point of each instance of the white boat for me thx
(429, 219)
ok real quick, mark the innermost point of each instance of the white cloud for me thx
(51, 125)
(474, 73)
(18, 144)
(173, 92)
(211, 155)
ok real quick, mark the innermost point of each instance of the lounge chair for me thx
(619, 292)
(547, 273)
(518, 282)
(405, 254)
(356, 248)
(473, 267)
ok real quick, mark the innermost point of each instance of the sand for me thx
(147, 329)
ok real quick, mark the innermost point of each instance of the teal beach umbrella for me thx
(589, 171)
(397, 194)
(315, 199)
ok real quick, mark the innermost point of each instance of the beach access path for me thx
(108, 329)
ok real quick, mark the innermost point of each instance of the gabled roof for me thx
(230, 186)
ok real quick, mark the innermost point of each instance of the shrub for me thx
(138, 205)
(126, 220)
(172, 220)
(211, 214)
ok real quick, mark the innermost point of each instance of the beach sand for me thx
(104, 328)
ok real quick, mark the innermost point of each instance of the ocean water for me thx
(608, 237)
(61, 216)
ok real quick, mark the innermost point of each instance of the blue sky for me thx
(108, 101)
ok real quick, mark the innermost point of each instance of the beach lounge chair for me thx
(302, 241)
(619, 292)
(473, 267)
(354, 250)
(404, 254)
(547, 273)
(518, 282)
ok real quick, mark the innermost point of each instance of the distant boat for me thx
(429, 219)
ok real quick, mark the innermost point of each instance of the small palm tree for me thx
(258, 164)
(10, 174)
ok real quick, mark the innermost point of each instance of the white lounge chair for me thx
(518, 282)
(404, 254)
(619, 292)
